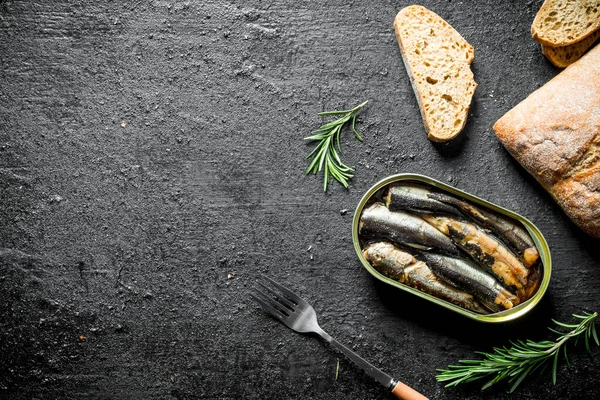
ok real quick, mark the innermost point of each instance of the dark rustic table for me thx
(152, 166)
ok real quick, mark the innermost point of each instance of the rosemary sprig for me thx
(325, 156)
(523, 358)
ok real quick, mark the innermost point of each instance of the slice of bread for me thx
(563, 22)
(437, 59)
(564, 56)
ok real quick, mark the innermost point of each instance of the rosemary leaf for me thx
(522, 358)
(554, 368)
(354, 128)
(325, 156)
(329, 113)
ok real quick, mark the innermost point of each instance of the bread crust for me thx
(555, 135)
(564, 56)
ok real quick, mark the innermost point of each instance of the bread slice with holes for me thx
(563, 22)
(437, 59)
(564, 56)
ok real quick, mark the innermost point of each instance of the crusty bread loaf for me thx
(555, 134)
(564, 22)
(437, 60)
(564, 56)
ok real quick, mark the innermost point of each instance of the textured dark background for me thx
(152, 166)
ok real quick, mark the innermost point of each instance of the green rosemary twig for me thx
(325, 156)
(523, 358)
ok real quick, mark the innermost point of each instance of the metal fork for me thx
(299, 315)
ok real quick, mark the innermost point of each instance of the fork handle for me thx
(405, 392)
(399, 389)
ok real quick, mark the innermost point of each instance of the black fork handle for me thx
(399, 389)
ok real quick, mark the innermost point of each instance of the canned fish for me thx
(449, 247)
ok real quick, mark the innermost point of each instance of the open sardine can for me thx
(544, 266)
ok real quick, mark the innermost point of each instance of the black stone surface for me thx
(152, 166)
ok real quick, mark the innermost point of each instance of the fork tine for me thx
(268, 308)
(293, 296)
(274, 303)
(280, 298)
